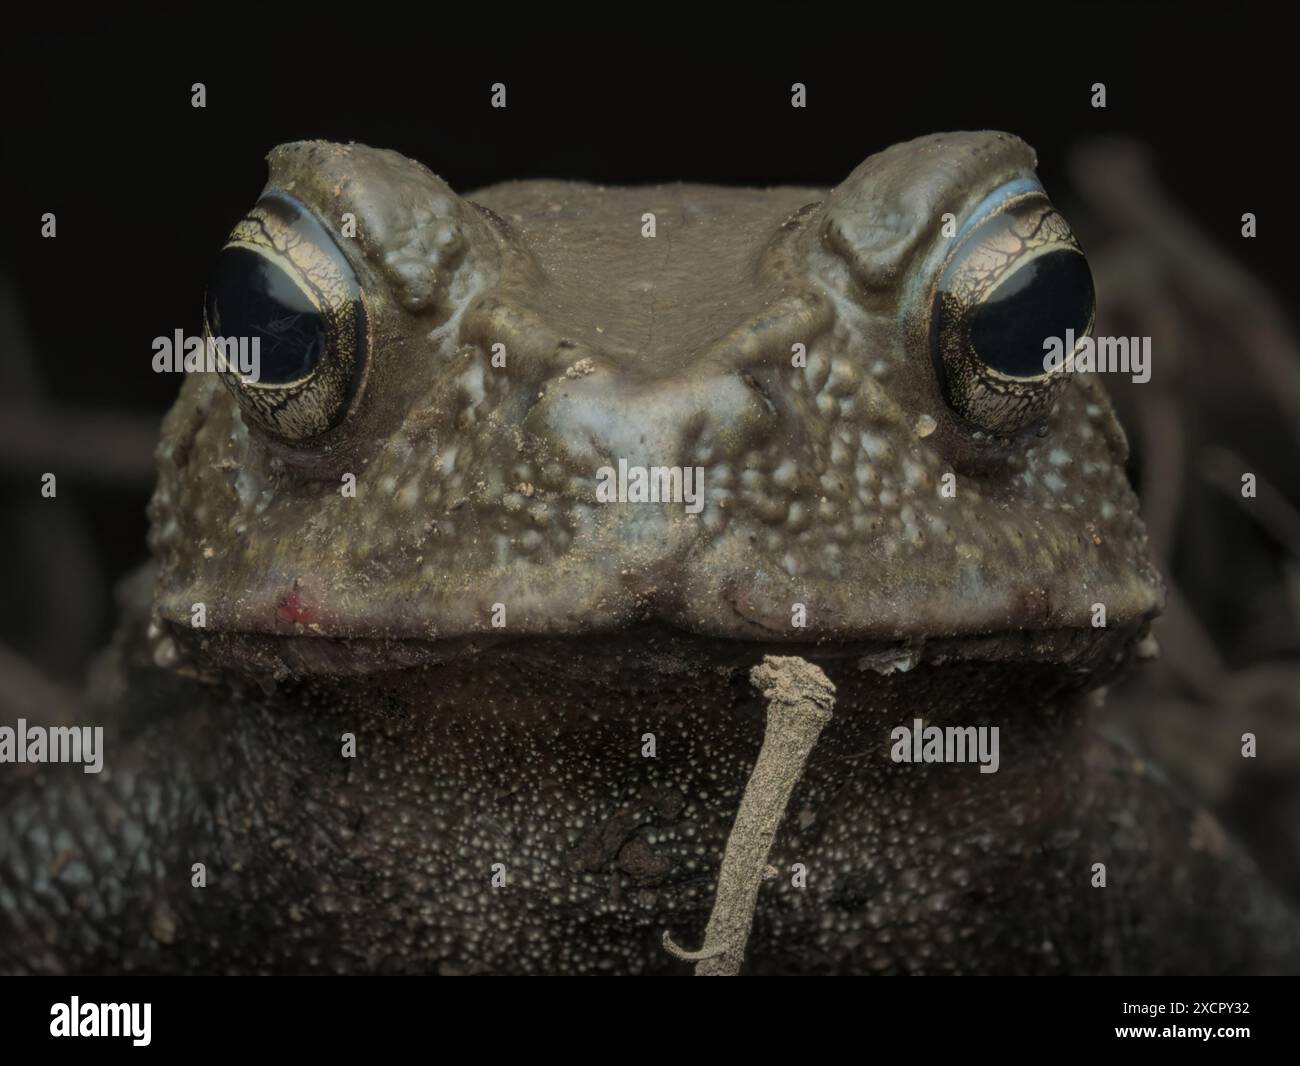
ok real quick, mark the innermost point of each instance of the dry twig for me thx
(800, 699)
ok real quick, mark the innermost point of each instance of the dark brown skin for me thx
(521, 744)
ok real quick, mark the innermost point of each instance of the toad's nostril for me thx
(757, 386)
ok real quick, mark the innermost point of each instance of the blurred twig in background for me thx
(1223, 400)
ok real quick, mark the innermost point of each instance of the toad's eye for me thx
(1015, 280)
(284, 291)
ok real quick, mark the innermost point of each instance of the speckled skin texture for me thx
(522, 745)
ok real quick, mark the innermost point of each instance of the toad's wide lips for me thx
(1089, 655)
(742, 607)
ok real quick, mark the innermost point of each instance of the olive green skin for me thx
(501, 813)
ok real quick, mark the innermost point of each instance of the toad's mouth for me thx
(321, 627)
(1089, 653)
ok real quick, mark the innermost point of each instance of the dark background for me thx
(99, 129)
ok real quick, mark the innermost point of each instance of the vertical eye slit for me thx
(1016, 278)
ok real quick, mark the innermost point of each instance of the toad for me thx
(402, 692)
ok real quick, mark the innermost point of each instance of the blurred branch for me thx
(1117, 179)
(1271, 510)
(102, 447)
(26, 692)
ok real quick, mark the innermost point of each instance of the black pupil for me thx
(1042, 299)
(249, 296)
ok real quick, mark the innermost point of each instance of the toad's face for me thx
(446, 383)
